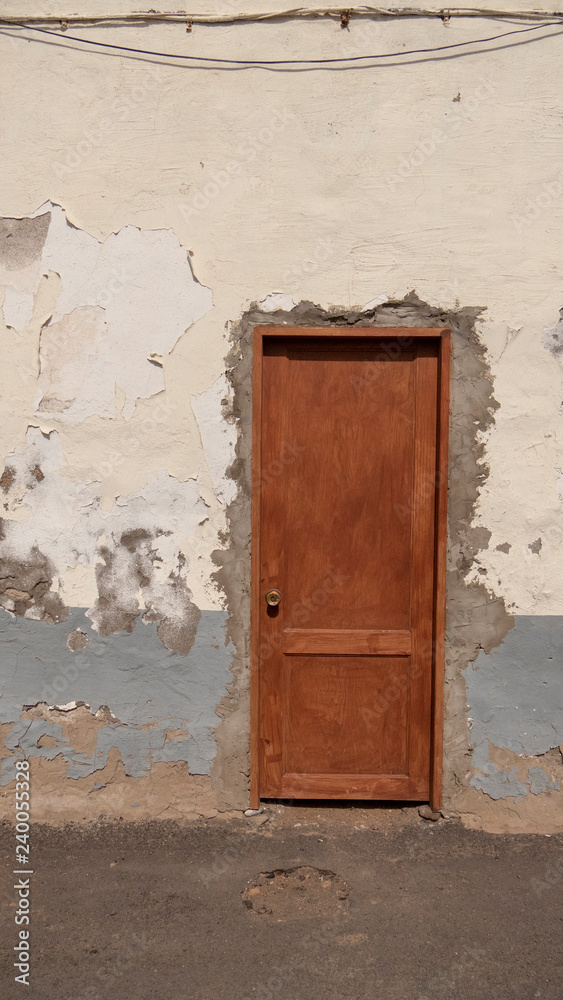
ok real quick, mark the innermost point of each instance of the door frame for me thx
(442, 337)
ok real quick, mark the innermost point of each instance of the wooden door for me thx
(349, 464)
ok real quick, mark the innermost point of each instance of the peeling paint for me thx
(138, 550)
(515, 696)
(21, 242)
(134, 677)
(76, 640)
(150, 575)
(540, 783)
(102, 355)
(496, 783)
(515, 692)
(135, 688)
(553, 338)
(277, 301)
(25, 587)
(218, 435)
(120, 301)
(21, 246)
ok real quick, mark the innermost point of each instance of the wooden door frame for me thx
(442, 337)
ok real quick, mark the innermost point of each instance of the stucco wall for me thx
(150, 212)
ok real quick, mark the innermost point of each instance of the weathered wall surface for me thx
(150, 213)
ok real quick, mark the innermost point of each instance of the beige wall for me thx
(179, 196)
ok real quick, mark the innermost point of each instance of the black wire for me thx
(279, 62)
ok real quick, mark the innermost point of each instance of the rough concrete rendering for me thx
(160, 216)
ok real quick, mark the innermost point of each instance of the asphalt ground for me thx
(300, 903)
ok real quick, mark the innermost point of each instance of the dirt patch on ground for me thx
(293, 893)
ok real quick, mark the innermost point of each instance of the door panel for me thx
(333, 722)
(346, 462)
(344, 471)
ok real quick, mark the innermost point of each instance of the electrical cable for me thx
(284, 62)
(364, 11)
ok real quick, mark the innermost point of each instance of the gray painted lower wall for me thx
(148, 690)
(514, 693)
(515, 698)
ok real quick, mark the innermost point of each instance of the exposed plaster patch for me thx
(213, 412)
(22, 242)
(137, 747)
(535, 547)
(138, 563)
(143, 281)
(277, 300)
(175, 734)
(116, 309)
(77, 640)
(17, 308)
(25, 587)
(46, 741)
(378, 300)
(37, 507)
(503, 774)
(167, 791)
(553, 338)
(76, 365)
(121, 304)
(21, 246)
(21, 266)
(126, 576)
(496, 783)
(177, 615)
(539, 781)
(46, 526)
(503, 547)
(141, 566)
(7, 478)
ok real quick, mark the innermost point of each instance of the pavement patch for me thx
(294, 893)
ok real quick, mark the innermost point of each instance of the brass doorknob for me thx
(273, 598)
